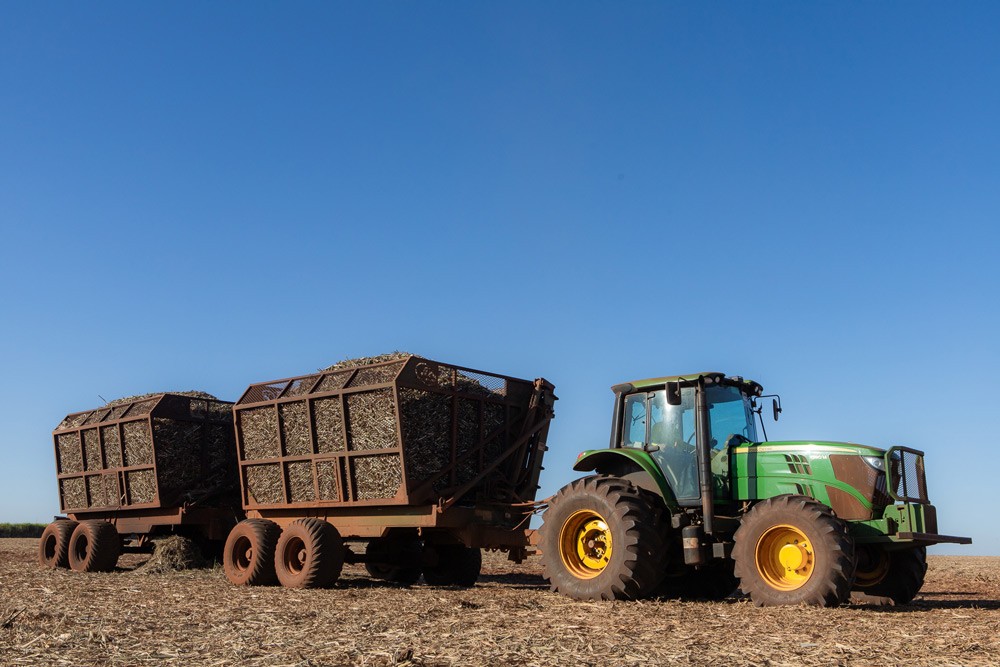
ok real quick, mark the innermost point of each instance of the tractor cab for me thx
(660, 417)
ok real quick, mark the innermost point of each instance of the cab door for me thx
(667, 432)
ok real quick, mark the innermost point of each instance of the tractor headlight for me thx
(876, 462)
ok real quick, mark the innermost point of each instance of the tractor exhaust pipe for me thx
(704, 457)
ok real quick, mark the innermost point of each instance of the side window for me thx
(634, 430)
(688, 420)
(661, 430)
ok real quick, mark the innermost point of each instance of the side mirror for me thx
(673, 393)
(775, 408)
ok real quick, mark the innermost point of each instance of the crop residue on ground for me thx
(509, 618)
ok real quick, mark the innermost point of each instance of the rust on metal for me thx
(164, 459)
(408, 442)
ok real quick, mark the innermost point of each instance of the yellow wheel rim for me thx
(585, 544)
(785, 558)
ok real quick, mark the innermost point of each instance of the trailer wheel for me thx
(715, 581)
(793, 550)
(53, 546)
(394, 559)
(457, 565)
(897, 574)
(310, 554)
(603, 539)
(248, 557)
(94, 547)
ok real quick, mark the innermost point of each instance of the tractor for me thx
(688, 502)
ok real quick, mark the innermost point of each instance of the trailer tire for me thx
(897, 575)
(53, 545)
(248, 557)
(793, 550)
(457, 565)
(94, 547)
(388, 557)
(603, 539)
(310, 554)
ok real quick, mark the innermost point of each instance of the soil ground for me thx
(196, 617)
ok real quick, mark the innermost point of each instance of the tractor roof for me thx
(751, 387)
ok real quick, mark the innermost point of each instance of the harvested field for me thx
(509, 618)
(172, 554)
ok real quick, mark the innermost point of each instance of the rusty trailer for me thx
(425, 463)
(164, 463)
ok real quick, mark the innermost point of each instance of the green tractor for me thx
(688, 502)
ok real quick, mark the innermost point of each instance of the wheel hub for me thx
(792, 556)
(785, 558)
(586, 544)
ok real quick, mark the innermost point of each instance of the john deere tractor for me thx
(688, 502)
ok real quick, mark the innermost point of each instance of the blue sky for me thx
(207, 195)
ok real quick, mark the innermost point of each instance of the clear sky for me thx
(203, 195)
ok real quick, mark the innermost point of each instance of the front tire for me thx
(603, 539)
(793, 550)
(897, 575)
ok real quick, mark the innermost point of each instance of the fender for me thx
(596, 459)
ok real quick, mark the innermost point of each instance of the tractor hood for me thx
(814, 445)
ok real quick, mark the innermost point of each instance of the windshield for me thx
(729, 414)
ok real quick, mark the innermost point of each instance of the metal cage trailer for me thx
(160, 464)
(409, 466)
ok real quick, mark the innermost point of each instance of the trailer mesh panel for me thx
(404, 431)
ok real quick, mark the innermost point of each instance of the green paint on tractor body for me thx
(880, 493)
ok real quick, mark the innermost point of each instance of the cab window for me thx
(635, 421)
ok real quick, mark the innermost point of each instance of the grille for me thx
(881, 497)
(907, 482)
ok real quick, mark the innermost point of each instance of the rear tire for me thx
(603, 539)
(793, 550)
(248, 557)
(897, 575)
(457, 565)
(310, 554)
(94, 547)
(394, 559)
(53, 545)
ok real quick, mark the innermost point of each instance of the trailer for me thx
(410, 466)
(132, 470)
